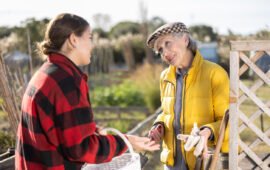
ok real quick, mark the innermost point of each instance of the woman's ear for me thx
(72, 40)
(186, 39)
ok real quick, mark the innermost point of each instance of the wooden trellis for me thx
(239, 49)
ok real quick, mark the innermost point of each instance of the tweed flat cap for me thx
(175, 27)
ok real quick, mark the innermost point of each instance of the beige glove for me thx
(193, 140)
(199, 146)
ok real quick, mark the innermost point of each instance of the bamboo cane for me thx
(7, 92)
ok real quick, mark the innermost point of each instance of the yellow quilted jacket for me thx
(205, 99)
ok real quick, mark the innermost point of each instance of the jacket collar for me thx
(66, 64)
(196, 63)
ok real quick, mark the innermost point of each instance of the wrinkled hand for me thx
(205, 133)
(143, 143)
(156, 133)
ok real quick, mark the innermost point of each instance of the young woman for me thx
(57, 128)
(192, 90)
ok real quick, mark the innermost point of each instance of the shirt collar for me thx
(64, 62)
(182, 72)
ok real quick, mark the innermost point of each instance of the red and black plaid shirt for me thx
(57, 129)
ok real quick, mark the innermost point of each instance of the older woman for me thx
(192, 90)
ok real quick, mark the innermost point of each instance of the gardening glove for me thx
(193, 138)
(199, 146)
(193, 141)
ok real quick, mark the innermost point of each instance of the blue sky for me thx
(240, 16)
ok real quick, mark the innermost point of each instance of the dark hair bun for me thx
(47, 47)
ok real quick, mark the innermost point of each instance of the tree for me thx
(5, 31)
(123, 28)
(263, 34)
(144, 31)
(203, 33)
(100, 32)
(155, 23)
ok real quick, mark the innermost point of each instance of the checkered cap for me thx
(175, 27)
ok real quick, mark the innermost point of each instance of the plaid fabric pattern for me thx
(166, 29)
(57, 128)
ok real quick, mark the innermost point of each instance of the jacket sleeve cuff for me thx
(158, 123)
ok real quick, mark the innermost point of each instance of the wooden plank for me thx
(254, 58)
(242, 155)
(253, 88)
(8, 163)
(115, 119)
(255, 129)
(122, 109)
(256, 69)
(253, 117)
(234, 107)
(252, 155)
(255, 45)
(254, 98)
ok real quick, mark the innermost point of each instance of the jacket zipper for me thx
(184, 112)
(174, 149)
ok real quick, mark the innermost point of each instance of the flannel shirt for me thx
(57, 128)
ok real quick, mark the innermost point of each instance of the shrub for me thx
(6, 141)
(122, 126)
(123, 95)
(147, 79)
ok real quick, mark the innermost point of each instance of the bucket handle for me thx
(124, 138)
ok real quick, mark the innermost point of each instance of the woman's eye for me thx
(167, 43)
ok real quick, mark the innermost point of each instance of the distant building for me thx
(16, 58)
(209, 51)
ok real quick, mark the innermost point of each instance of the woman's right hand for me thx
(143, 143)
(156, 133)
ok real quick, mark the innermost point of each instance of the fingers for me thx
(155, 135)
(100, 131)
(205, 151)
(143, 139)
(143, 143)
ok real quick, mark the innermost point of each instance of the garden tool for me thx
(143, 157)
(222, 130)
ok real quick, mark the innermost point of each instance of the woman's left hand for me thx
(100, 131)
(206, 133)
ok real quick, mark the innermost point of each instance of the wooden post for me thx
(30, 52)
(234, 114)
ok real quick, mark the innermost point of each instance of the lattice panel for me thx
(248, 94)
